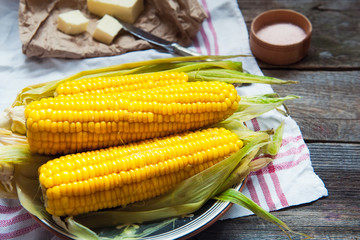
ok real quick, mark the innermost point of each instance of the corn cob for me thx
(68, 124)
(124, 83)
(118, 176)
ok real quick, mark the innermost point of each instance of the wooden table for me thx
(329, 117)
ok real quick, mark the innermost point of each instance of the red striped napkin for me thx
(289, 180)
(16, 223)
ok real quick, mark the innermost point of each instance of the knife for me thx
(171, 47)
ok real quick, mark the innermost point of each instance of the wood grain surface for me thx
(329, 107)
(329, 117)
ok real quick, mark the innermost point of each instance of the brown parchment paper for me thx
(173, 20)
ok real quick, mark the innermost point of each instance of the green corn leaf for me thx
(232, 76)
(274, 146)
(236, 197)
(254, 106)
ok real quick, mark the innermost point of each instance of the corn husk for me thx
(11, 156)
(275, 145)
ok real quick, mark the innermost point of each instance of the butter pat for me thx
(126, 10)
(106, 29)
(72, 22)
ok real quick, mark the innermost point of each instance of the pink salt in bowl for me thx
(280, 37)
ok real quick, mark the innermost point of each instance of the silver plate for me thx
(185, 227)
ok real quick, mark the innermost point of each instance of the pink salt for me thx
(281, 34)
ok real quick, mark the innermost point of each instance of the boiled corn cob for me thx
(68, 124)
(118, 176)
(124, 83)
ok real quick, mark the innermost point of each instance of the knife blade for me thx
(171, 47)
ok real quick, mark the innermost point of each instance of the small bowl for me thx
(274, 53)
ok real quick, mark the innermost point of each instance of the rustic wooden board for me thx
(334, 217)
(335, 40)
(329, 109)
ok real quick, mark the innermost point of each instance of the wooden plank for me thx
(329, 108)
(335, 40)
(334, 217)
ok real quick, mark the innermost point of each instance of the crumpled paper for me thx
(173, 20)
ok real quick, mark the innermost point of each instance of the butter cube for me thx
(72, 22)
(125, 10)
(106, 29)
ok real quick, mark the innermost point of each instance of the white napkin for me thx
(288, 181)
